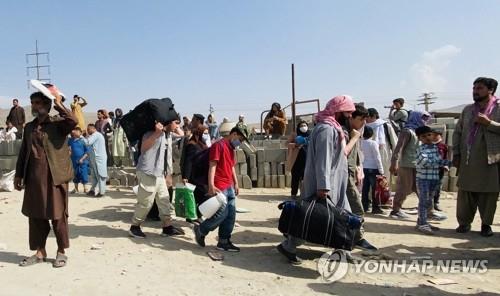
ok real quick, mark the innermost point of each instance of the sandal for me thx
(28, 261)
(61, 260)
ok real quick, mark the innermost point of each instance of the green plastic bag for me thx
(185, 205)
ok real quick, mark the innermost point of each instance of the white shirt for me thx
(378, 131)
(9, 135)
(372, 159)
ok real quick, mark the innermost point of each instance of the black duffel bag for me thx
(145, 115)
(320, 222)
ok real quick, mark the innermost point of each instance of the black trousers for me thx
(298, 172)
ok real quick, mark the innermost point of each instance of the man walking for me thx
(152, 185)
(44, 166)
(326, 174)
(222, 178)
(352, 127)
(476, 154)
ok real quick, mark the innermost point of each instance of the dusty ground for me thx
(177, 266)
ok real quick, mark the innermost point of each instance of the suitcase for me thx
(320, 222)
(144, 116)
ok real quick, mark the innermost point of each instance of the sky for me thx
(237, 55)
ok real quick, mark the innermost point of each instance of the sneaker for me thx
(463, 228)
(365, 245)
(200, 239)
(433, 228)
(425, 229)
(486, 231)
(398, 215)
(228, 247)
(74, 191)
(91, 193)
(99, 195)
(437, 217)
(378, 211)
(135, 231)
(292, 258)
(438, 207)
(171, 230)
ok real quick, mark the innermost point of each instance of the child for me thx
(427, 166)
(9, 133)
(372, 166)
(443, 152)
(79, 158)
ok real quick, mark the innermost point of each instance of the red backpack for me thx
(382, 191)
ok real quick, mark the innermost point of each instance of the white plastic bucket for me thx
(212, 205)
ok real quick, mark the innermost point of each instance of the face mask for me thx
(303, 129)
(235, 143)
(206, 137)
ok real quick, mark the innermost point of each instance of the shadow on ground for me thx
(354, 289)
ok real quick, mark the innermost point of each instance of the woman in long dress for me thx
(120, 142)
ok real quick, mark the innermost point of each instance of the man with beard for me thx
(326, 174)
(44, 166)
(476, 154)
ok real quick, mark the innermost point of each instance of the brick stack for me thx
(8, 155)
(271, 168)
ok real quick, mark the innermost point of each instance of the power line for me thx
(37, 67)
(427, 99)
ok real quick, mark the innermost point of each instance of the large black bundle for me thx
(320, 222)
(144, 116)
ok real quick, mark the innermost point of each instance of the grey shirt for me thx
(399, 116)
(152, 161)
(406, 149)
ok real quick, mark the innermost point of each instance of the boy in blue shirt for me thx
(79, 158)
(428, 164)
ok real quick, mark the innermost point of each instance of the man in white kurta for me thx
(98, 160)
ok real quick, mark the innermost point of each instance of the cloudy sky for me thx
(236, 55)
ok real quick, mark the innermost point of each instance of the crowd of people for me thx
(338, 157)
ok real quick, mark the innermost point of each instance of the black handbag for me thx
(145, 115)
(320, 222)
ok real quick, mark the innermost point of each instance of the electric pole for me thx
(293, 97)
(427, 99)
(37, 67)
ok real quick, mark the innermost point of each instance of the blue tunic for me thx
(78, 150)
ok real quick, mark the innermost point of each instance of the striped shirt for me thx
(428, 162)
